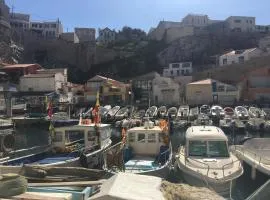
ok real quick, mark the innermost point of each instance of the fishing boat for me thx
(241, 113)
(161, 112)
(255, 112)
(193, 113)
(255, 152)
(217, 112)
(147, 150)
(205, 160)
(183, 112)
(111, 113)
(122, 114)
(172, 112)
(205, 109)
(229, 112)
(151, 112)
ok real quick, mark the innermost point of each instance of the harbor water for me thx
(35, 135)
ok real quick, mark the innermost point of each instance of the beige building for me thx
(241, 23)
(195, 20)
(211, 91)
(47, 29)
(20, 21)
(178, 69)
(165, 91)
(239, 56)
(86, 34)
(4, 18)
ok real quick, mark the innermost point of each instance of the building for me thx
(106, 36)
(19, 21)
(178, 69)
(239, 56)
(42, 83)
(142, 88)
(163, 88)
(110, 91)
(241, 23)
(262, 29)
(4, 19)
(18, 70)
(86, 34)
(195, 20)
(255, 85)
(211, 91)
(51, 29)
(70, 37)
(182, 81)
(63, 71)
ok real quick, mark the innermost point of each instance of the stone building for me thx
(48, 29)
(19, 21)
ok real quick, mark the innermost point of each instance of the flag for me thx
(96, 110)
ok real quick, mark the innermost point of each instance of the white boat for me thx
(172, 112)
(147, 151)
(217, 112)
(66, 148)
(111, 113)
(183, 112)
(193, 113)
(205, 160)
(161, 113)
(241, 113)
(229, 112)
(255, 112)
(122, 114)
(256, 153)
(151, 112)
(205, 109)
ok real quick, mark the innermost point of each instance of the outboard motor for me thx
(7, 142)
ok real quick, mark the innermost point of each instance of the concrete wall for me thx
(178, 32)
(199, 94)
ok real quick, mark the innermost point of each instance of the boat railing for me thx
(254, 155)
(208, 166)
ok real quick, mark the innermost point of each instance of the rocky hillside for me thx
(10, 52)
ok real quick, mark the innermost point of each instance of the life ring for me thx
(7, 142)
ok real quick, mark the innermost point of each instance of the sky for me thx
(142, 14)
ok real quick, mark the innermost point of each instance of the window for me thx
(182, 71)
(92, 136)
(237, 21)
(141, 137)
(178, 73)
(40, 25)
(58, 137)
(241, 59)
(131, 137)
(53, 25)
(217, 149)
(250, 21)
(175, 65)
(46, 26)
(221, 88)
(247, 21)
(225, 61)
(34, 25)
(152, 138)
(73, 135)
(187, 71)
(197, 148)
(171, 72)
(187, 64)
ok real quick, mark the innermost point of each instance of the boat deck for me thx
(141, 164)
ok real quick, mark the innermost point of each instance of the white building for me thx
(195, 20)
(86, 34)
(19, 21)
(165, 91)
(42, 82)
(262, 29)
(241, 23)
(106, 36)
(239, 56)
(178, 69)
(47, 29)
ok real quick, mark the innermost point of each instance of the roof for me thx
(130, 186)
(238, 52)
(103, 78)
(20, 66)
(202, 82)
(205, 133)
(144, 130)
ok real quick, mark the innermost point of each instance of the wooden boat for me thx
(241, 113)
(255, 112)
(205, 160)
(193, 113)
(67, 150)
(217, 112)
(255, 152)
(205, 109)
(172, 112)
(147, 151)
(111, 113)
(183, 112)
(161, 112)
(151, 112)
(123, 113)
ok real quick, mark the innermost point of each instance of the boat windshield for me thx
(208, 149)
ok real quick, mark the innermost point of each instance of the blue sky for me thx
(136, 13)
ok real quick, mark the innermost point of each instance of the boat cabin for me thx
(206, 141)
(92, 136)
